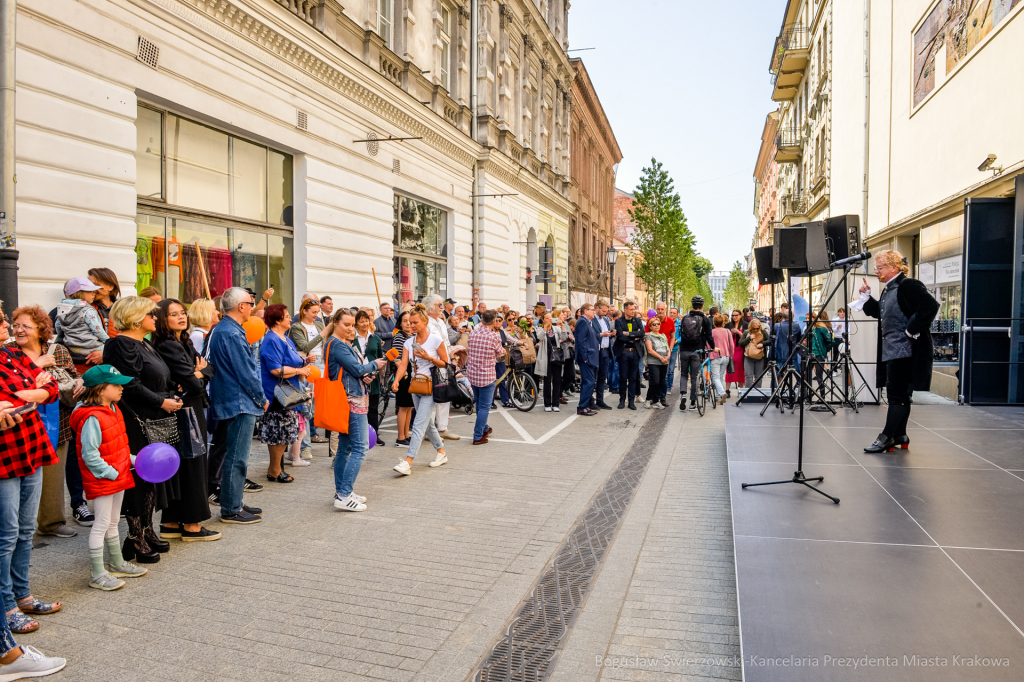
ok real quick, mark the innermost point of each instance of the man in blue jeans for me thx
(236, 399)
(484, 351)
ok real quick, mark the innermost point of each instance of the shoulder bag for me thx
(287, 396)
(163, 430)
(331, 405)
(419, 384)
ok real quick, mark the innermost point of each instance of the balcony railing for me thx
(788, 145)
(793, 204)
(789, 60)
(303, 9)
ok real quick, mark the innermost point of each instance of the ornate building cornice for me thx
(248, 34)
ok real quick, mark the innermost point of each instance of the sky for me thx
(686, 82)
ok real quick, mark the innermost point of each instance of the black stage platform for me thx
(920, 567)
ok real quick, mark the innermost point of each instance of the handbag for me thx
(445, 387)
(331, 404)
(163, 430)
(65, 382)
(287, 396)
(193, 445)
(421, 385)
(731, 368)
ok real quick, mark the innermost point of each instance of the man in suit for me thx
(629, 338)
(605, 336)
(587, 357)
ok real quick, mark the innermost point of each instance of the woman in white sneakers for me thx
(423, 351)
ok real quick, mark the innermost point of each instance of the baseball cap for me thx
(104, 374)
(450, 300)
(77, 284)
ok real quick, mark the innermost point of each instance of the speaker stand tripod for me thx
(798, 476)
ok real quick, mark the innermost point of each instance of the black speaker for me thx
(844, 236)
(766, 272)
(789, 249)
(819, 259)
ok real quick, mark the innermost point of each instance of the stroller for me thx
(466, 400)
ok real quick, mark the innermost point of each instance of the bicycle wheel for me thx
(523, 391)
(701, 394)
(712, 393)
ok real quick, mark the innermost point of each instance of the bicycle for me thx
(386, 378)
(705, 386)
(522, 389)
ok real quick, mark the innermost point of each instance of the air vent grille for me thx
(396, 167)
(149, 53)
(301, 120)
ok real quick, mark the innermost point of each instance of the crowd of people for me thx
(87, 386)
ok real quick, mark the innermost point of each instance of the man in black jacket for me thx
(694, 334)
(629, 339)
(385, 326)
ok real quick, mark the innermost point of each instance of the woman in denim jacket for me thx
(350, 448)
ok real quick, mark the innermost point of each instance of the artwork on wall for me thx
(950, 32)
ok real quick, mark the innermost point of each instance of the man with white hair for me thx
(236, 400)
(435, 311)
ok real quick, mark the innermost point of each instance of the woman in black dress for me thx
(149, 396)
(403, 401)
(185, 512)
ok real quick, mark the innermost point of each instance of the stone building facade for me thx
(595, 155)
(193, 145)
(628, 287)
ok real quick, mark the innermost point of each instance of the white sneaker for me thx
(439, 460)
(555, 409)
(658, 406)
(307, 455)
(299, 462)
(647, 404)
(32, 663)
(403, 468)
(349, 503)
(448, 435)
(359, 497)
(547, 409)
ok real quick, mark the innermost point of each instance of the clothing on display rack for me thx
(244, 269)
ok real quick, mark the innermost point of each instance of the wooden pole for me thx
(202, 270)
(376, 287)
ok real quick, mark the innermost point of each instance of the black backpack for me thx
(691, 329)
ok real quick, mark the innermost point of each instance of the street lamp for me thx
(611, 254)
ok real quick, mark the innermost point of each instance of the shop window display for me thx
(421, 249)
(189, 165)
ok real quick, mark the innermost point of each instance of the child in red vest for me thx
(105, 460)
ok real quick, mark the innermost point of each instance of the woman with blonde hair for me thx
(202, 315)
(147, 399)
(905, 310)
(752, 342)
(422, 351)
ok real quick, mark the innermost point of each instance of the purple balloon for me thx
(651, 313)
(157, 462)
(373, 437)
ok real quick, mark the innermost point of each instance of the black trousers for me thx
(629, 375)
(553, 384)
(657, 382)
(689, 365)
(899, 374)
(568, 375)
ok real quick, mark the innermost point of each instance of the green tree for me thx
(702, 266)
(736, 295)
(663, 243)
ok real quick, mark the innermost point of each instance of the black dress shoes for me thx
(903, 442)
(882, 444)
(622, 404)
(604, 406)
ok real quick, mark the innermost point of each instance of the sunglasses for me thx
(151, 313)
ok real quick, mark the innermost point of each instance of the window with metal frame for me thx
(384, 25)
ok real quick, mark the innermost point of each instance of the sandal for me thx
(19, 623)
(281, 478)
(33, 606)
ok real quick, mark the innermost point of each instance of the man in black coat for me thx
(905, 311)
(628, 351)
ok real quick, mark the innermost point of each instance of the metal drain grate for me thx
(540, 628)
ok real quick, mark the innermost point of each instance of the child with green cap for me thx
(105, 460)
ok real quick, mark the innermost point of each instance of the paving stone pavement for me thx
(419, 586)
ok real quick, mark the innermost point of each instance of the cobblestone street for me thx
(420, 586)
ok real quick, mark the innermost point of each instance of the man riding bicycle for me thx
(694, 334)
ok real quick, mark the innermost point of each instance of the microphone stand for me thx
(798, 476)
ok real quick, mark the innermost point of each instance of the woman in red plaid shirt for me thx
(24, 450)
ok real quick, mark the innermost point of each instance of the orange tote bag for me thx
(331, 400)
